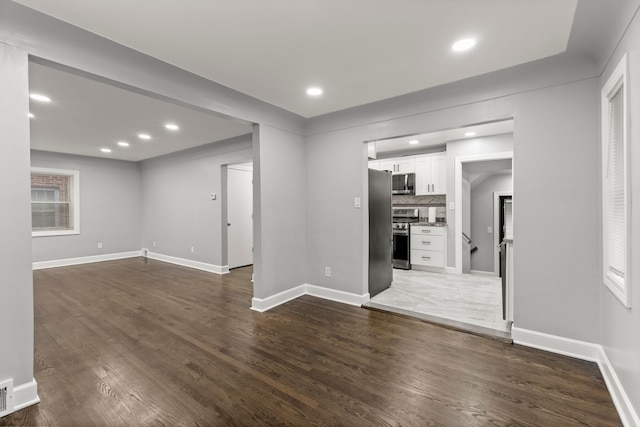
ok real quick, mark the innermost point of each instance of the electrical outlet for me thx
(154, 243)
(356, 202)
(327, 271)
(99, 245)
(193, 250)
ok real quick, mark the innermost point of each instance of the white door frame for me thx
(496, 226)
(458, 161)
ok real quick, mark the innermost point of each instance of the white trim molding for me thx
(84, 260)
(211, 268)
(265, 304)
(585, 351)
(25, 395)
(627, 412)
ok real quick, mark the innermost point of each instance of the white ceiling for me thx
(359, 51)
(439, 139)
(85, 115)
(476, 172)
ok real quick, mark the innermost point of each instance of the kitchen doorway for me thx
(444, 295)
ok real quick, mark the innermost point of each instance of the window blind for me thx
(616, 200)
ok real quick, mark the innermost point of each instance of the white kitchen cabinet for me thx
(374, 164)
(431, 174)
(428, 247)
(398, 165)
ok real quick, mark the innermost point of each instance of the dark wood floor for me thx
(137, 342)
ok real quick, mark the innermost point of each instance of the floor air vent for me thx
(6, 397)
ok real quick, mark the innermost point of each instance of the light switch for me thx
(490, 229)
(452, 206)
(356, 202)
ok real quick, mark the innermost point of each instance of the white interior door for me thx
(239, 216)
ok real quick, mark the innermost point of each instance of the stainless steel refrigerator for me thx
(380, 234)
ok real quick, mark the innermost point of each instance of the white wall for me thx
(16, 280)
(335, 228)
(279, 221)
(556, 151)
(110, 207)
(482, 200)
(177, 209)
(620, 327)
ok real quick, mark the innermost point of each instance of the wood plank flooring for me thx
(141, 342)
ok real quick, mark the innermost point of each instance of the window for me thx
(54, 202)
(615, 184)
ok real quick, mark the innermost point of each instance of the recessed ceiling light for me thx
(31, 116)
(39, 97)
(171, 126)
(314, 91)
(105, 150)
(414, 142)
(470, 134)
(463, 44)
(123, 143)
(144, 136)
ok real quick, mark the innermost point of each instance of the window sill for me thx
(49, 233)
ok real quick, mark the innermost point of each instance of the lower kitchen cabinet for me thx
(428, 247)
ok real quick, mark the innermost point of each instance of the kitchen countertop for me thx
(429, 224)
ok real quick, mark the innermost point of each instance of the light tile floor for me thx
(467, 298)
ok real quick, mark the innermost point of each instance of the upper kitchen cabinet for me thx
(398, 165)
(374, 164)
(431, 174)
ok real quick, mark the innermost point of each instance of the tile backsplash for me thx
(423, 203)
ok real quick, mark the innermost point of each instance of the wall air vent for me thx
(6, 397)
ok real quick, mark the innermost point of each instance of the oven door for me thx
(401, 249)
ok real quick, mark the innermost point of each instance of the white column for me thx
(16, 280)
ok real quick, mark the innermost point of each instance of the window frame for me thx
(616, 83)
(74, 200)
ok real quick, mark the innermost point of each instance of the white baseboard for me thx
(627, 412)
(585, 351)
(338, 296)
(264, 304)
(25, 395)
(84, 260)
(211, 268)
(451, 270)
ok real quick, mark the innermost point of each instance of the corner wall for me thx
(177, 208)
(619, 326)
(110, 207)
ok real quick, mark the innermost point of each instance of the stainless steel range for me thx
(402, 219)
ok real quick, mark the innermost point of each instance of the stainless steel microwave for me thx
(404, 183)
